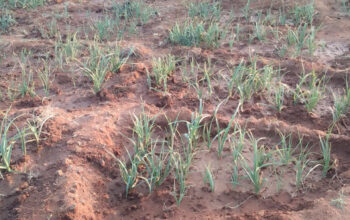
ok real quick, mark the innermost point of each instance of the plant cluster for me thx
(12, 136)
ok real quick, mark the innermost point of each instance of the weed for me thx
(339, 201)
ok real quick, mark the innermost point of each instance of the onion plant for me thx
(326, 154)
(158, 166)
(208, 178)
(162, 67)
(260, 160)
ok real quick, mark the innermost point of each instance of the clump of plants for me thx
(101, 62)
(197, 33)
(6, 20)
(205, 10)
(162, 68)
(12, 136)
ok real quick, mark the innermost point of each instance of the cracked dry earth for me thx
(71, 174)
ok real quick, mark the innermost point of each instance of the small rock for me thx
(132, 208)
(71, 208)
(103, 163)
(106, 196)
(227, 192)
(24, 185)
(67, 161)
(77, 149)
(345, 175)
(59, 172)
(141, 67)
(125, 68)
(165, 215)
(140, 195)
(22, 198)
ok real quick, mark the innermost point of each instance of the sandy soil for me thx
(70, 175)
